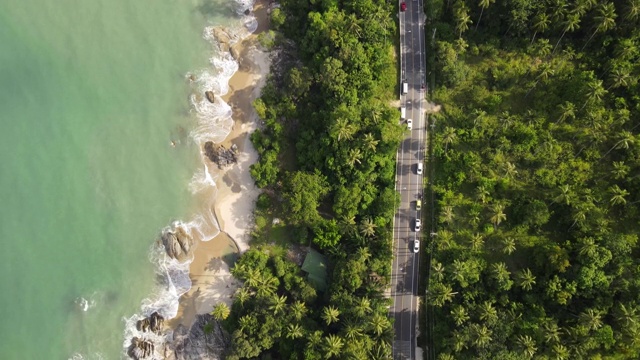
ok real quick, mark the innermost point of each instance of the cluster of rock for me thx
(178, 243)
(221, 155)
(143, 348)
(152, 323)
(140, 349)
(204, 340)
(226, 42)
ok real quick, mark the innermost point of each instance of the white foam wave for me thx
(242, 6)
(214, 120)
(79, 356)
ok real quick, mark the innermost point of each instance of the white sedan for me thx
(409, 124)
(418, 224)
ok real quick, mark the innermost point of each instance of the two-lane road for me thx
(404, 277)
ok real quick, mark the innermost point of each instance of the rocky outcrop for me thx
(221, 155)
(205, 340)
(210, 96)
(140, 349)
(177, 243)
(152, 323)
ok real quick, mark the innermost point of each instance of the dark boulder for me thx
(140, 349)
(210, 96)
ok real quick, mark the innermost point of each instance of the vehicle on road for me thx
(405, 87)
(419, 169)
(416, 245)
(418, 205)
(403, 6)
(409, 124)
(403, 112)
(418, 224)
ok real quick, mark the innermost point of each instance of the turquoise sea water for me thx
(91, 94)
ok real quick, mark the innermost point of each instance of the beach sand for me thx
(236, 191)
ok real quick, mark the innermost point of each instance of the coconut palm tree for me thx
(242, 295)
(565, 196)
(501, 274)
(508, 245)
(363, 306)
(632, 10)
(370, 142)
(449, 137)
(567, 110)
(343, 130)
(220, 311)
(354, 156)
(588, 247)
(298, 310)
(618, 195)
(510, 170)
(620, 77)
(528, 345)
(590, 319)
(526, 279)
(380, 351)
(437, 270)
(459, 314)
(481, 336)
(595, 92)
(368, 227)
(348, 225)
(460, 340)
(540, 24)
(246, 322)
(620, 170)
(440, 293)
(330, 314)
(498, 214)
(551, 332)
(482, 194)
(444, 240)
(314, 340)
(483, 5)
(606, 19)
(379, 323)
(626, 140)
(278, 304)
(477, 242)
(332, 346)
(267, 285)
(294, 331)
(627, 315)
(571, 23)
(352, 331)
(463, 20)
(488, 313)
(561, 352)
(447, 214)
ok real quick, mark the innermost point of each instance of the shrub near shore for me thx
(327, 163)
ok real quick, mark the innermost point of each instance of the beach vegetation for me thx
(536, 154)
(327, 164)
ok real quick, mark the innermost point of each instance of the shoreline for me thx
(236, 193)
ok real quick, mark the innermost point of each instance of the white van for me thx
(405, 87)
(403, 113)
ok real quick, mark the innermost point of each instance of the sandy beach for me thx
(236, 191)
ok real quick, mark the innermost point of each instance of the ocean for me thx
(100, 153)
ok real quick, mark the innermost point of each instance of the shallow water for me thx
(91, 95)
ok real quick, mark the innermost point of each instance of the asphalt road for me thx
(405, 271)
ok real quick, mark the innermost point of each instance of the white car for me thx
(416, 245)
(409, 124)
(419, 169)
(418, 224)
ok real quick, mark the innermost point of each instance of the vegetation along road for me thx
(406, 232)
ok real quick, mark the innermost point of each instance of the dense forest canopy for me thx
(327, 166)
(537, 186)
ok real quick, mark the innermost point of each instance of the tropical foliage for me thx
(327, 164)
(537, 157)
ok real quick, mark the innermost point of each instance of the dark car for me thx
(403, 6)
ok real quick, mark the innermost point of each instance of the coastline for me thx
(210, 274)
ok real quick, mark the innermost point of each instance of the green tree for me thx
(618, 195)
(459, 314)
(498, 214)
(527, 345)
(540, 24)
(332, 346)
(298, 310)
(220, 311)
(278, 304)
(294, 331)
(606, 20)
(302, 195)
(526, 279)
(330, 315)
(368, 227)
(483, 5)
(571, 23)
(481, 336)
(440, 293)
